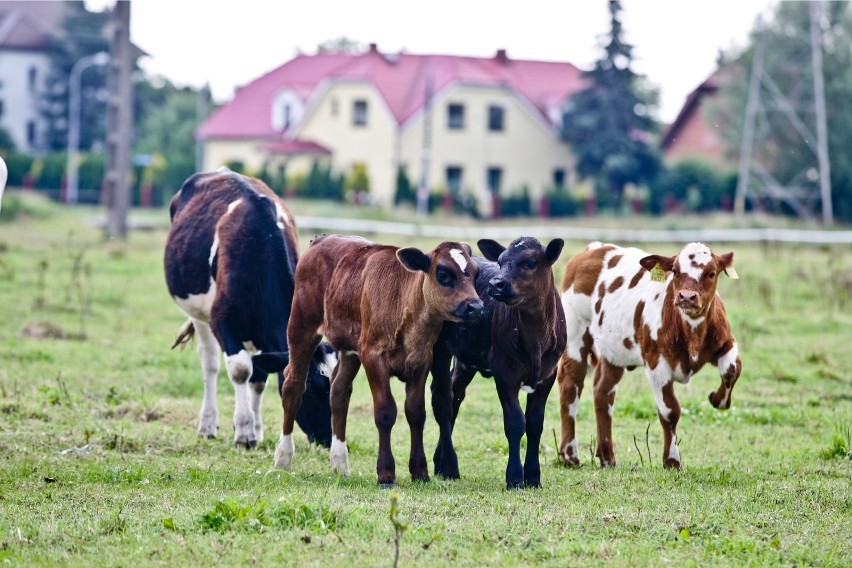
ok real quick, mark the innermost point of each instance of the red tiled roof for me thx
(399, 78)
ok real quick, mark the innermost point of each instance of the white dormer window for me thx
(287, 110)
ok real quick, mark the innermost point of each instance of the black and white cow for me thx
(230, 262)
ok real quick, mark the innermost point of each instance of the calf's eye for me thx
(444, 277)
(530, 264)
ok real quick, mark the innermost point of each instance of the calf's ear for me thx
(413, 259)
(725, 263)
(271, 362)
(553, 250)
(490, 248)
(665, 262)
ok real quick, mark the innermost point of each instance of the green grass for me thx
(101, 466)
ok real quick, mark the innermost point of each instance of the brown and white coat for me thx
(624, 309)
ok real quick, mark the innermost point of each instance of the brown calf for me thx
(626, 308)
(383, 307)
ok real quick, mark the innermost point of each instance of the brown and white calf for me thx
(229, 263)
(383, 307)
(626, 308)
(519, 340)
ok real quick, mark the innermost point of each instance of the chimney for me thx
(374, 48)
(501, 57)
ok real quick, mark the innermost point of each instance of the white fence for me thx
(504, 233)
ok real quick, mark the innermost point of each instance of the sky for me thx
(227, 43)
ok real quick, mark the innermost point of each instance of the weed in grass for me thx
(399, 527)
(841, 444)
(228, 515)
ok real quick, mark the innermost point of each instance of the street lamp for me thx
(99, 58)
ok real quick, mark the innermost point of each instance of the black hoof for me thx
(250, 445)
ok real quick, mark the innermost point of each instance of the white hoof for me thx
(339, 455)
(208, 424)
(244, 432)
(284, 452)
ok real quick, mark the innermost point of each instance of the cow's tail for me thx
(187, 332)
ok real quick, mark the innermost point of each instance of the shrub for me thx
(50, 171)
(20, 165)
(691, 185)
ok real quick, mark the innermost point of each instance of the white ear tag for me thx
(732, 273)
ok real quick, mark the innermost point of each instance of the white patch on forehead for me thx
(700, 254)
(232, 205)
(520, 243)
(458, 256)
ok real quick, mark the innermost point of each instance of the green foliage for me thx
(7, 143)
(560, 203)
(405, 192)
(608, 122)
(19, 165)
(84, 33)
(229, 515)
(692, 186)
(320, 183)
(781, 148)
(357, 182)
(91, 172)
(50, 171)
(516, 205)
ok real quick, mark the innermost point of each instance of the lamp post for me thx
(99, 58)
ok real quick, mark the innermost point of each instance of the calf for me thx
(626, 308)
(4, 176)
(383, 307)
(518, 340)
(230, 260)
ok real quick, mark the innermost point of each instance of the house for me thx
(26, 32)
(694, 134)
(469, 125)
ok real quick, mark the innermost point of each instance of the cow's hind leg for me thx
(606, 384)
(445, 459)
(571, 375)
(210, 355)
(257, 384)
(341, 393)
(240, 369)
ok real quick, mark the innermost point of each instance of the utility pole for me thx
(819, 108)
(426, 152)
(119, 123)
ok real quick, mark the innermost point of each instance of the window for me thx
(31, 133)
(32, 77)
(455, 116)
(559, 178)
(494, 177)
(495, 118)
(454, 179)
(359, 113)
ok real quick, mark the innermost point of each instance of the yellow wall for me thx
(526, 150)
(329, 122)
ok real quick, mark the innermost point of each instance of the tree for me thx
(609, 123)
(783, 151)
(83, 33)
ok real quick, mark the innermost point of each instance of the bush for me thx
(405, 193)
(20, 165)
(320, 183)
(560, 203)
(693, 186)
(516, 205)
(49, 171)
(91, 171)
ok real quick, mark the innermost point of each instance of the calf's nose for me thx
(468, 309)
(688, 296)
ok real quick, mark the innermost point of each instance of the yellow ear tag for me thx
(732, 273)
(658, 274)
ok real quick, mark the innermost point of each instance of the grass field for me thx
(100, 465)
